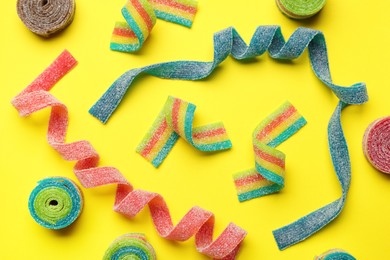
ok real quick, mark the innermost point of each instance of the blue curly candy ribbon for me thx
(266, 38)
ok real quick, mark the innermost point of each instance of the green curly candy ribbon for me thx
(266, 38)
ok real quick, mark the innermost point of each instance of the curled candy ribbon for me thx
(265, 38)
(174, 121)
(140, 16)
(197, 222)
(268, 175)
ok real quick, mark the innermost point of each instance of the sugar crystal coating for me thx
(197, 222)
(46, 17)
(376, 144)
(268, 175)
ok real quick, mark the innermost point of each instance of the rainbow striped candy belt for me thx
(140, 16)
(268, 175)
(174, 121)
(265, 38)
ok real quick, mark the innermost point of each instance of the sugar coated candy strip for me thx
(335, 254)
(55, 202)
(130, 246)
(140, 16)
(300, 9)
(268, 175)
(197, 222)
(174, 121)
(265, 38)
(376, 144)
(46, 17)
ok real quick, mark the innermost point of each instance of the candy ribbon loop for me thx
(175, 120)
(197, 222)
(265, 38)
(268, 175)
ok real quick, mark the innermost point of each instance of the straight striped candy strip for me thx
(174, 121)
(268, 175)
(140, 16)
(266, 38)
(197, 222)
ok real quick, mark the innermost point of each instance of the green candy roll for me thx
(300, 9)
(55, 202)
(335, 254)
(130, 246)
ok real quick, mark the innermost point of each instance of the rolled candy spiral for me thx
(46, 17)
(300, 9)
(335, 254)
(376, 144)
(130, 246)
(55, 202)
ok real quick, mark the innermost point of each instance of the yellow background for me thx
(239, 94)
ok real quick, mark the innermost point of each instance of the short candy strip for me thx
(130, 246)
(174, 121)
(268, 175)
(197, 222)
(265, 38)
(55, 202)
(140, 16)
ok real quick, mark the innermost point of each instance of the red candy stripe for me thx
(197, 222)
(376, 144)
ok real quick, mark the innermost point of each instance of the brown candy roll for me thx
(46, 17)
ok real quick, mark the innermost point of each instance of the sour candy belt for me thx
(130, 246)
(140, 16)
(265, 38)
(335, 254)
(300, 9)
(55, 202)
(174, 121)
(268, 175)
(46, 17)
(197, 222)
(376, 144)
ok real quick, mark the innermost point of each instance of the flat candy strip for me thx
(300, 9)
(175, 120)
(335, 254)
(197, 222)
(130, 246)
(55, 203)
(376, 143)
(140, 16)
(46, 17)
(265, 38)
(268, 175)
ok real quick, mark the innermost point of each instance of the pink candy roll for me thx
(376, 144)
